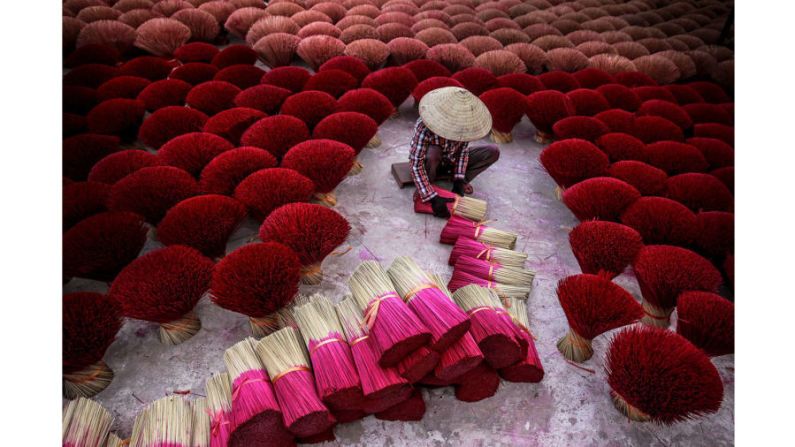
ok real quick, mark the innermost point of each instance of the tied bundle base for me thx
(356, 169)
(374, 142)
(446, 321)
(463, 356)
(634, 414)
(542, 137)
(328, 199)
(410, 410)
(656, 316)
(304, 413)
(418, 364)
(478, 384)
(87, 382)
(574, 347)
(311, 274)
(501, 137)
(180, 330)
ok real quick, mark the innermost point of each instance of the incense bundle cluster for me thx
(466, 207)
(506, 281)
(460, 227)
(528, 369)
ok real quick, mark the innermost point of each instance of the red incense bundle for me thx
(382, 387)
(86, 423)
(493, 271)
(459, 227)
(418, 364)
(466, 207)
(461, 279)
(256, 416)
(394, 329)
(477, 384)
(707, 320)
(335, 373)
(434, 308)
(219, 402)
(593, 305)
(288, 366)
(410, 410)
(530, 369)
(167, 422)
(465, 246)
(604, 248)
(494, 335)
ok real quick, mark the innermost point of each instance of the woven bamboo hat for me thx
(455, 114)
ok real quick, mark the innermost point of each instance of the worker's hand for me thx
(439, 206)
(458, 187)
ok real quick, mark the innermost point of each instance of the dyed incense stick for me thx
(382, 387)
(465, 246)
(335, 373)
(411, 409)
(255, 411)
(86, 423)
(418, 364)
(493, 271)
(458, 358)
(466, 207)
(494, 334)
(287, 363)
(477, 384)
(461, 279)
(459, 227)
(395, 330)
(219, 405)
(201, 423)
(529, 369)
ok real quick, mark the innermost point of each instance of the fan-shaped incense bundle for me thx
(459, 227)
(395, 331)
(86, 423)
(465, 246)
(200, 423)
(494, 334)
(335, 372)
(382, 387)
(441, 316)
(461, 279)
(466, 207)
(529, 369)
(707, 320)
(254, 408)
(287, 363)
(219, 402)
(593, 305)
(167, 422)
(493, 271)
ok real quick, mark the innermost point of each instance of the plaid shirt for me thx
(453, 152)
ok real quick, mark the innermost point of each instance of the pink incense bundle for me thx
(477, 384)
(458, 359)
(288, 366)
(335, 373)
(465, 246)
(86, 423)
(446, 321)
(530, 369)
(494, 334)
(466, 207)
(459, 227)
(418, 364)
(494, 271)
(219, 402)
(382, 387)
(411, 409)
(256, 417)
(461, 279)
(396, 332)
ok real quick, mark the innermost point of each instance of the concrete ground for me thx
(570, 407)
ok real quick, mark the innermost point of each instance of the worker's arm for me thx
(459, 179)
(419, 150)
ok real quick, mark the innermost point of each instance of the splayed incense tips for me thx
(85, 423)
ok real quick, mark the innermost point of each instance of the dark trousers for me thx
(480, 158)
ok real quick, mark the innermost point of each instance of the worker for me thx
(450, 118)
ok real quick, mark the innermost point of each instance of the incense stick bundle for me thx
(166, 422)
(418, 364)
(86, 423)
(529, 369)
(219, 403)
(137, 439)
(335, 373)
(201, 423)
(492, 271)
(466, 207)
(287, 363)
(459, 358)
(461, 279)
(255, 411)
(477, 384)
(411, 409)
(459, 227)
(493, 334)
(382, 387)
(395, 330)
(435, 309)
(465, 246)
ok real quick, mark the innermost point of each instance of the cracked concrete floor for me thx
(570, 407)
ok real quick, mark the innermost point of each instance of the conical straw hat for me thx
(455, 114)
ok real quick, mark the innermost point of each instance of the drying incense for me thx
(201, 423)
(494, 335)
(462, 279)
(477, 384)
(418, 364)
(459, 358)
(287, 363)
(395, 330)
(382, 387)
(255, 411)
(465, 246)
(166, 422)
(466, 207)
(335, 373)
(493, 271)
(441, 316)
(410, 410)
(529, 369)
(219, 405)
(593, 305)
(459, 227)
(86, 423)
